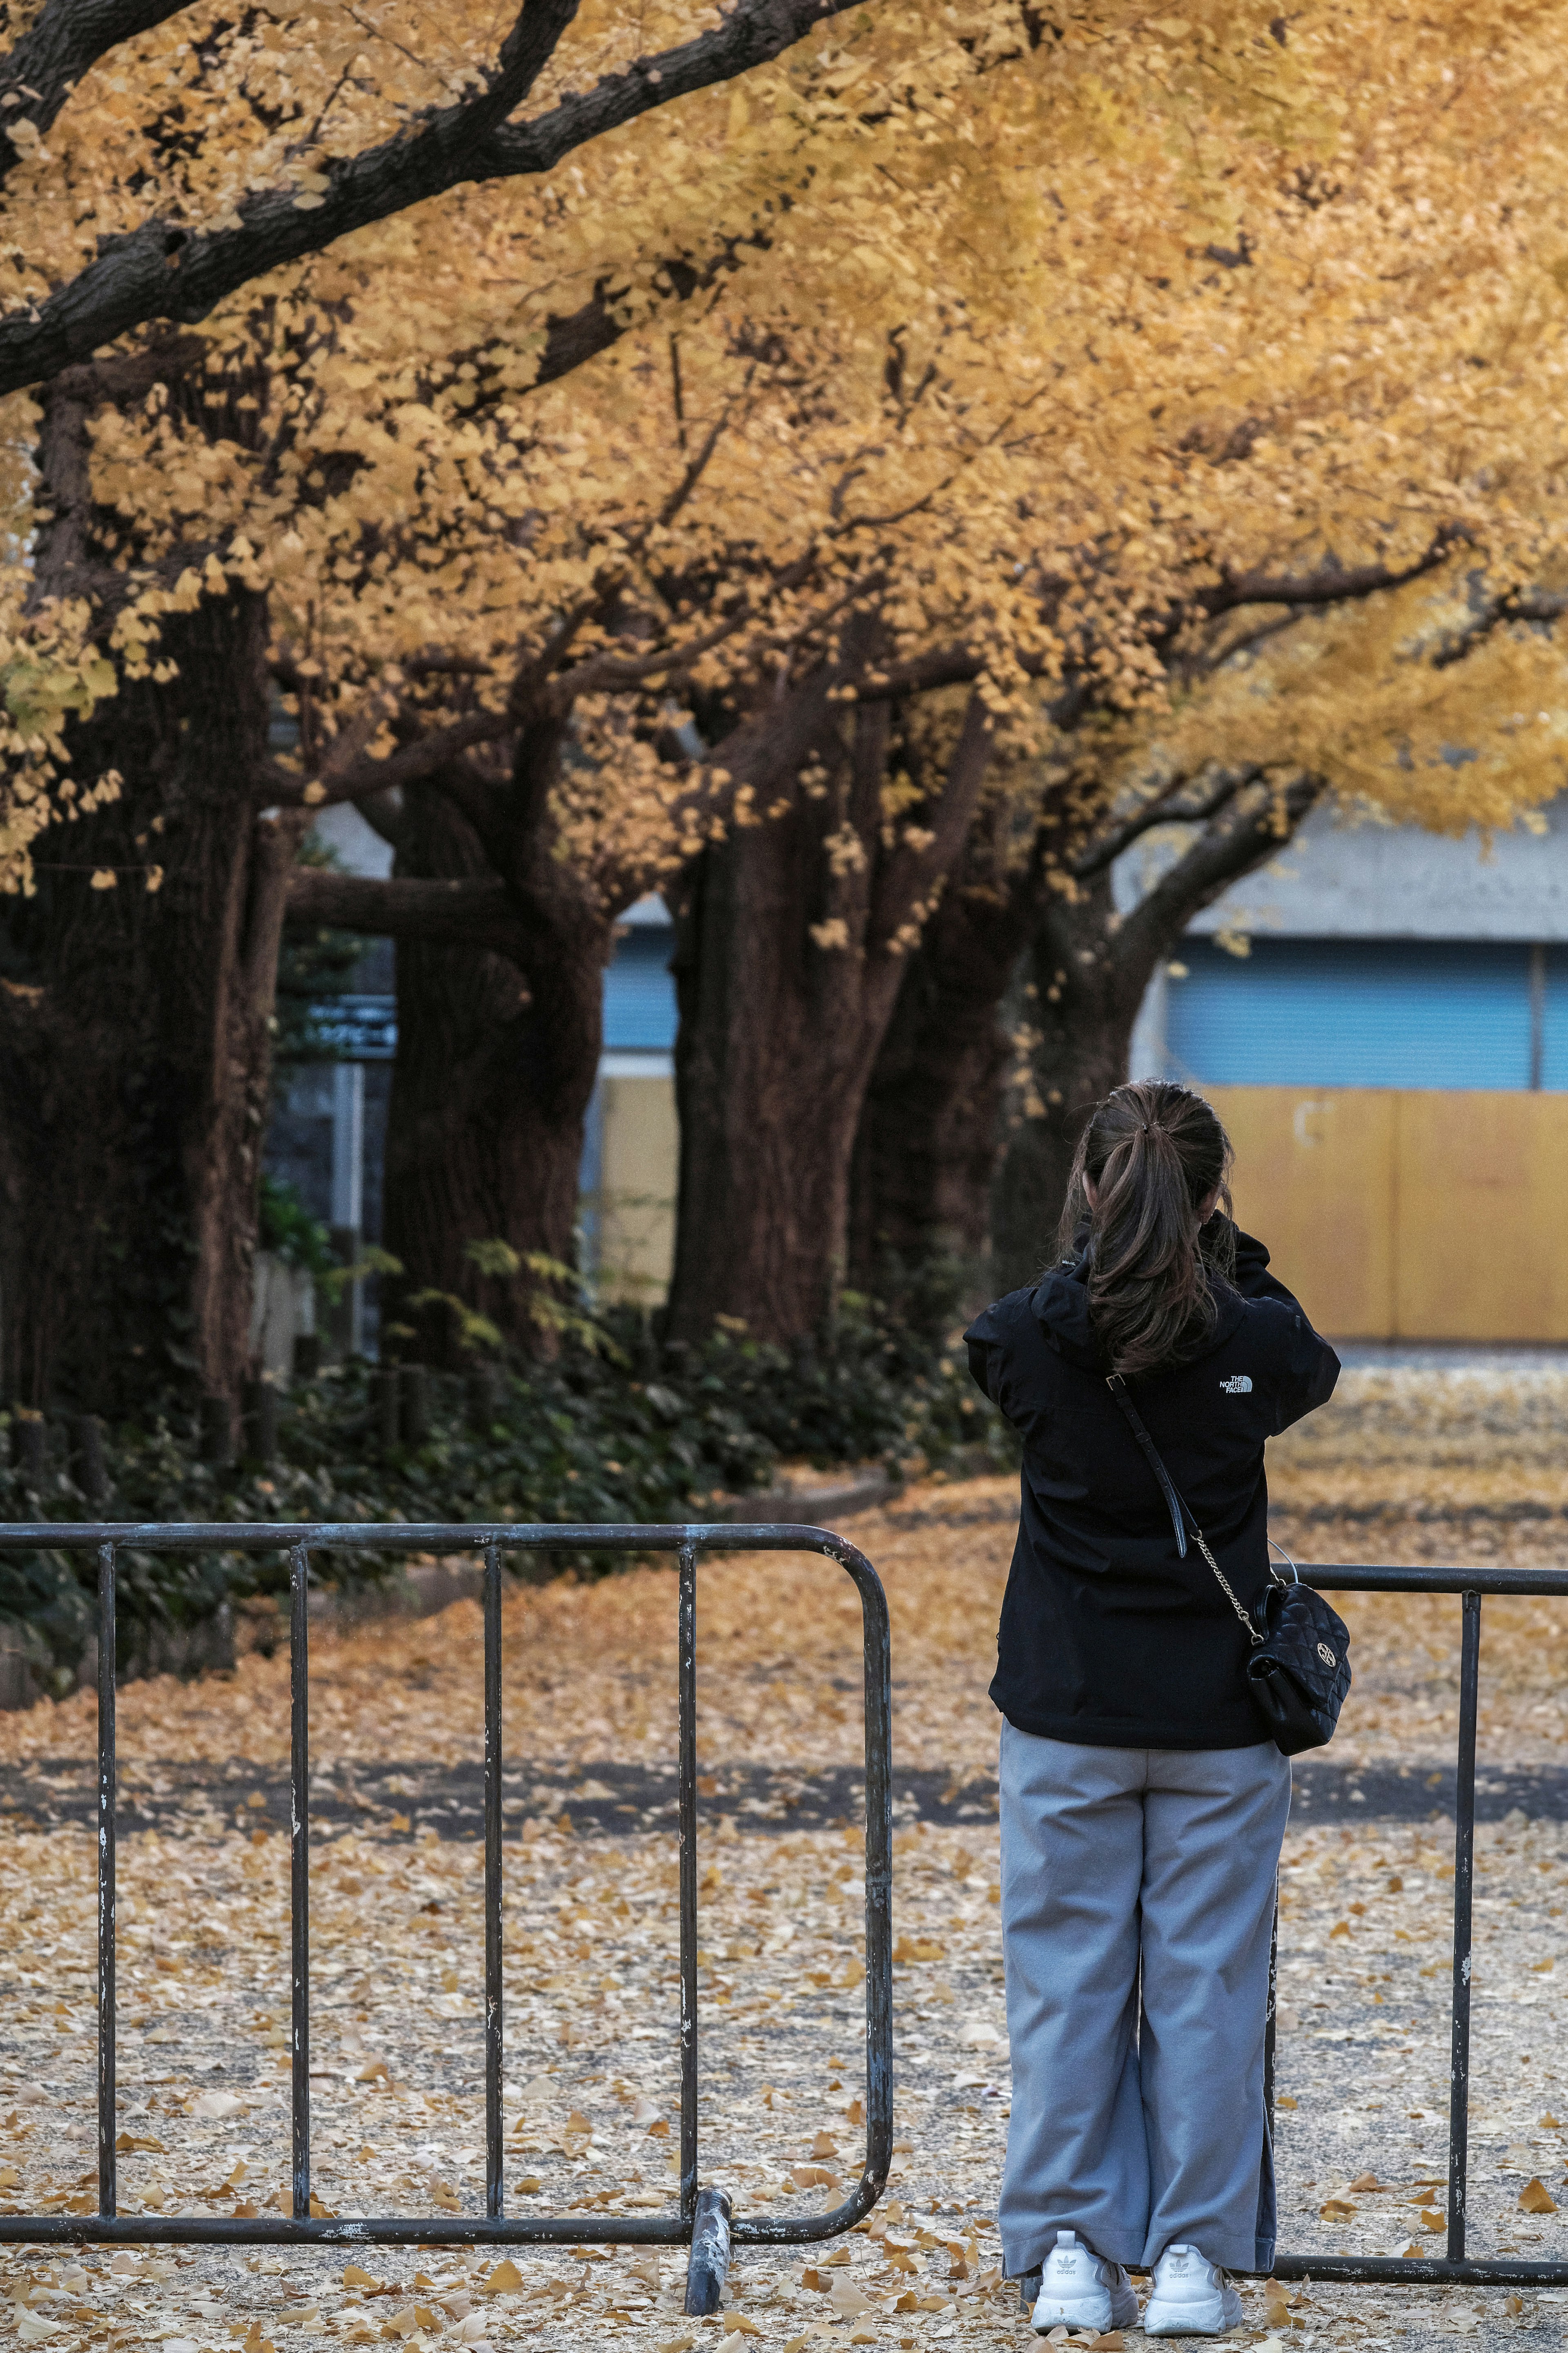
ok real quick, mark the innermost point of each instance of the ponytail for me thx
(1153, 1155)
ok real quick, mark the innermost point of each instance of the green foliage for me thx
(876, 1387)
(287, 1230)
(622, 1430)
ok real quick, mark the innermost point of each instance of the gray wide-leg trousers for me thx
(1139, 2133)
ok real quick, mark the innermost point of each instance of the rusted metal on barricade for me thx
(701, 2218)
(1454, 2267)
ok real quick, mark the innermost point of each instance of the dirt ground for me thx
(1430, 1467)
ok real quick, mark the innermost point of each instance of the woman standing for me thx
(1142, 1806)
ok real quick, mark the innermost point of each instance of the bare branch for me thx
(1239, 839)
(1330, 583)
(1165, 808)
(1517, 606)
(165, 270)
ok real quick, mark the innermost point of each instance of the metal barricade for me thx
(702, 2217)
(1454, 2266)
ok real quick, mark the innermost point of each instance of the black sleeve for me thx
(1252, 1277)
(1306, 1367)
(980, 1366)
(1306, 1374)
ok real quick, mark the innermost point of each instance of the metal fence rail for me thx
(702, 2215)
(1455, 2266)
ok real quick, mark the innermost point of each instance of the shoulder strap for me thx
(1180, 1514)
(1178, 1510)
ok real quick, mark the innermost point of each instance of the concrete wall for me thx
(1338, 880)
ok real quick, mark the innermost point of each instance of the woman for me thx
(1142, 1806)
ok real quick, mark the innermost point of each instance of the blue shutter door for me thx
(1353, 1013)
(639, 992)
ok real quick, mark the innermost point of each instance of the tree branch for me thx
(472, 912)
(61, 44)
(1163, 809)
(1518, 605)
(360, 775)
(1241, 838)
(165, 270)
(1330, 583)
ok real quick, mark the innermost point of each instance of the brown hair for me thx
(1154, 1153)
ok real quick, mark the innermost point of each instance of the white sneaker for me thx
(1078, 2289)
(1190, 2297)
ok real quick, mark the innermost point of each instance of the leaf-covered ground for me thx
(592, 1940)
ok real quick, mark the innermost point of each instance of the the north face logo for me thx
(1239, 1385)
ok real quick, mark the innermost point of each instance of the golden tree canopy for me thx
(1038, 357)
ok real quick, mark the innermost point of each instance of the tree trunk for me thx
(135, 1052)
(930, 1130)
(791, 941)
(768, 1085)
(1080, 997)
(490, 1089)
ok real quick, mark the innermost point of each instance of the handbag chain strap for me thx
(1180, 1514)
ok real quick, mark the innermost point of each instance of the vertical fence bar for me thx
(688, 1790)
(107, 2187)
(300, 1869)
(878, 1687)
(494, 2153)
(1271, 2023)
(1464, 1889)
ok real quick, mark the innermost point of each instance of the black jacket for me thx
(1108, 1637)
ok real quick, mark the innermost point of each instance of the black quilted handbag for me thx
(1300, 1670)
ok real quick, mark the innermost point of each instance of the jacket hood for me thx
(1060, 1305)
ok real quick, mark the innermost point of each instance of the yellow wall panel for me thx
(1315, 1180)
(637, 1204)
(1481, 1242)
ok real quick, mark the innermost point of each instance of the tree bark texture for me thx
(793, 937)
(135, 1046)
(930, 1129)
(497, 1058)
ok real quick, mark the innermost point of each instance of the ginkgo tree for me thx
(158, 156)
(1425, 705)
(339, 485)
(139, 642)
(997, 398)
(792, 948)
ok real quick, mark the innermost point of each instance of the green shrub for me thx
(624, 1430)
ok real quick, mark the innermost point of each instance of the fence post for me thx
(300, 1873)
(87, 1466)
(1464, 1892)
(260, 1424)
(107, 2185)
